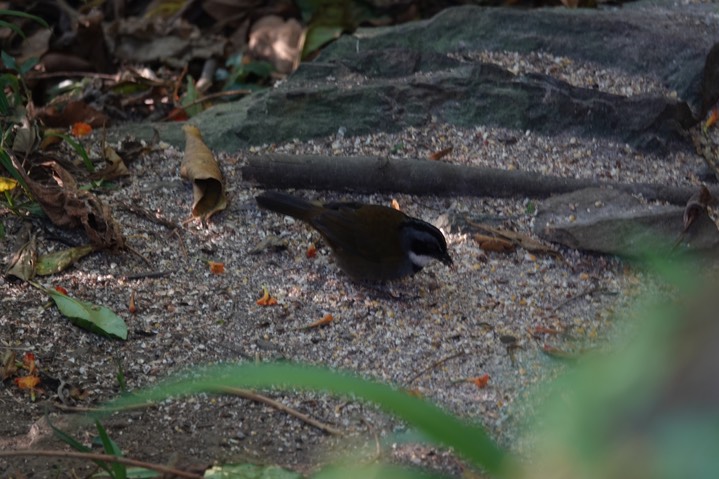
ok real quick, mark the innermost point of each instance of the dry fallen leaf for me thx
(65, 114)
(8, 368)
(23, 262)
(60, 260)
(69, 207)
(115, 167)
(696, 205)
(278, 41)
(520, 239)
(200, 167)
(494, 244)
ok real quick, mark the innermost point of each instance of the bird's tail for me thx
(286, 204)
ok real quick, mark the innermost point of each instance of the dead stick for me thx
(252, 396)
(423, 177)
(149, 274)
(81, 409)
(434, 365)
(102, 457)
(149, 216)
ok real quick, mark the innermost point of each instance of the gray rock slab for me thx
(612, 222)
(387, 79)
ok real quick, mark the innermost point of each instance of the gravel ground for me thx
(428, 333)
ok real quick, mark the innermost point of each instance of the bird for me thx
(369, 242)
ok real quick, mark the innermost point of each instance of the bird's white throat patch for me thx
(420, 260)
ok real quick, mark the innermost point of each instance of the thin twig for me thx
(253, 396)
(219, 94)
(90, 456)
(66, 408)
(434, 365)
(149, 216)
(587, 291)
(138, 254)
(149, 274)
(102, 76)
(180, 243)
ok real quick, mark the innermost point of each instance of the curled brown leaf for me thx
(200, 167)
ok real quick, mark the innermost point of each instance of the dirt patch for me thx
(479, 314)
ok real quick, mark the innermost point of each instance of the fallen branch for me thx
(90, 456)
(434, 365)
(153, 217)
(247, 394)
(423, 177)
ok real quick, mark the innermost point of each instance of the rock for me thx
(613, 222)
(388, 79)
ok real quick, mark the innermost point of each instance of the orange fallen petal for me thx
(713, 117)
(28, 362)
(27, 382)
(438, 155)
(81, 129)
(326, 319)
(480, 381)
(395, 204)
(311, 251)
(178, 114)
(266, 299)
(61, 290)
(132, 308)
(216, 268)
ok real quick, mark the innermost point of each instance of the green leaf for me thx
(13, 27)
(318, 36)
(79, 149)
(111, 448)
(188, 100)
(28, 65)
(10, 86)
(67, 439)
(16, 13)
(98, 319)
(61, 260)
(8, 61)
(74, 443)
(243, 73)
